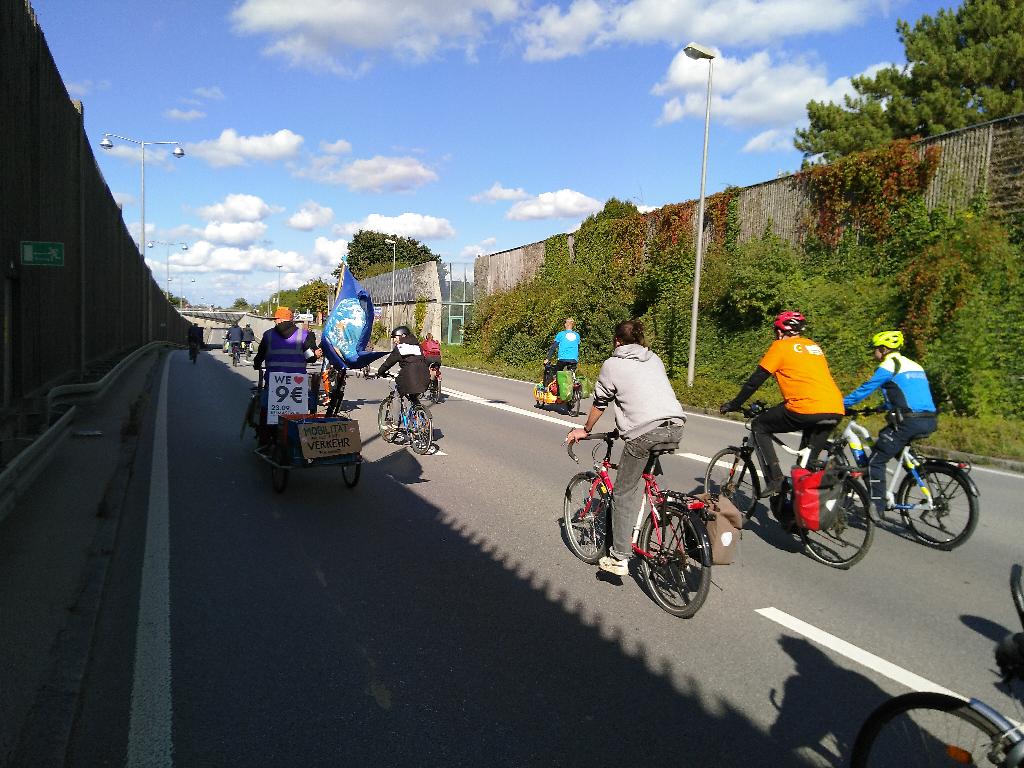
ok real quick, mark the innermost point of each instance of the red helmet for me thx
(790, 322)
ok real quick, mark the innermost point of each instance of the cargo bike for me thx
(559, 388)
(304, 440)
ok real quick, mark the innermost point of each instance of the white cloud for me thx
(236, 207)
(330, 252)
(554, 33)
(339, 147)
(772, 140)
(82, 88)
(184, 115)
(211, 93)
(482, 248)
(327, 36)
(234, 232)
(310, 216)
(124, 198)
(415, 225)
(756, 91)
(565, 203)
(498, 192)
(377, 174)
(231, 149)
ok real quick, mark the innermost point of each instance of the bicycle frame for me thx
(652, 499)
(856, 436)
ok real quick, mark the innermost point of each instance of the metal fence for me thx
(62, 308)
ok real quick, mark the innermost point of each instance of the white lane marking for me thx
(149, 732)
(852, 652)
(510, 408)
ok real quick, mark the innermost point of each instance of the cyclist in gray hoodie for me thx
(647, 415)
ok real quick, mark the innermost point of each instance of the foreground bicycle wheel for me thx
(585, 517)
(421, 431)
(954, 513)
(387, 425)
(926, 729)
(729, 474)
(848, 539)
(675, 574)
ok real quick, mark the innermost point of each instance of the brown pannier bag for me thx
(724, 530)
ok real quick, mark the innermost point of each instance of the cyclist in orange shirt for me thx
(809, 394)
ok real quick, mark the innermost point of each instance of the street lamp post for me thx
(278, 302)
(698, 51)
(394, 261)
(181, 299)
(167, 261)
(106, 143)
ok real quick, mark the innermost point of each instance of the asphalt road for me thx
(433, 615)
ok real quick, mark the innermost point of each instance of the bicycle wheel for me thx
(421, 431)
(350, 473)
(278, 475)
(848, 539)
(574, 405)
(926, 729)
(585, 515)
(954, 515)
(731, 475)
(387, 424)
(675, 573)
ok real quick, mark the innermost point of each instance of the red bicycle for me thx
(670, 536)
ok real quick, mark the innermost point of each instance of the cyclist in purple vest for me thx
(286, 348)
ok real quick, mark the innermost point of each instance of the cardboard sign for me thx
(286, 393)
(331, 438)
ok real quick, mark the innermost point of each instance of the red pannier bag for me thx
(816, 497)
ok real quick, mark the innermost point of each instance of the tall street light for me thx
(179, 153)
(394, 260)
(698, 51)
(279, 284)
(181, 299)
(167, 261)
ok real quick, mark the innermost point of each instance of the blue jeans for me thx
(628, 491)
(891, 440)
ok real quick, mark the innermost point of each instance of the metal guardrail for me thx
(27, 465)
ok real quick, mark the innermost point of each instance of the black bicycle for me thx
(841, 545)
(925, 728)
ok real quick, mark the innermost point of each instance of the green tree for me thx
(369, 254)
(315, 296)
(240, 303)
(963, 67)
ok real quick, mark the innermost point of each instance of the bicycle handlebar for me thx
(608, 437)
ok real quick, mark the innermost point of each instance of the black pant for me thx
(780, 419)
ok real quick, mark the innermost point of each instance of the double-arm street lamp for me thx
(394, 261)
(167, 261)
(698, 51)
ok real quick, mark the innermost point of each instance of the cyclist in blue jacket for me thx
(566, 348)
(907, 396)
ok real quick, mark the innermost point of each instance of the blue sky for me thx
(471, 125)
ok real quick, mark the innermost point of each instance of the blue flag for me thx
(348, 326)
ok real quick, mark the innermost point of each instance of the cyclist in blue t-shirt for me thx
(908, 399)
(566, 348)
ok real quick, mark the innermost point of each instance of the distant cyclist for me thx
(566, 348)
(234, 338)
(413, 375)
(908, 397)
(195, 340)
(809, 393)
(248, 339)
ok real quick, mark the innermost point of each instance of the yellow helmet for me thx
(889, 339)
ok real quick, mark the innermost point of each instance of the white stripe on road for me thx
(852, 652)
(149, 731)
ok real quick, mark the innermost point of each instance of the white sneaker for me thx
(613, 565)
